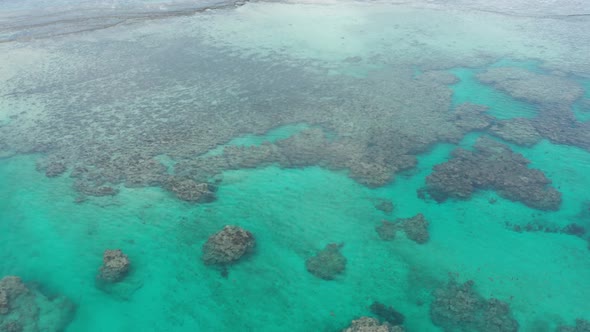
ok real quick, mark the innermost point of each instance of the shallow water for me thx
(302, 117)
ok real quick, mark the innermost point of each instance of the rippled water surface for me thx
(294, 166)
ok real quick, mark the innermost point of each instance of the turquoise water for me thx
(163, 236)
(301, 119)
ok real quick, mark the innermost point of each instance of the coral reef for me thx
(55, 169)
(388, 314)
(115, 266)
(368, 324)
(4, 308)
(492, 165)
(538, 225)
(416, 229)
(387, 230)
(472, 117)
(327, 263)
(228, 245)
(520, 131)
(558, 123)
(11, 327)
(533, 87)
(10, 288)
(385, 205)
(189, 190)
(357, 126)
(455, 305)
(497, 317)
(86, 188)
(581, 326)
(443, 77)
(458, 307)
(27, 309)
(553, 95)
(547, 227)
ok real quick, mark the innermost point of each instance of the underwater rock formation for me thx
(519, 131)
(388, 314)
(368, 324)
(416, 229)
(458, 307)
(582, 325)
(228, 245)
(492, 165)
(115, 266)
(26, 309)
(533, 87)
(327, 263)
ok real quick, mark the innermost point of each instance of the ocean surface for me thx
(422, 163)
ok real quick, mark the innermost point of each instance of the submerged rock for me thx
(27, 309)
(458, 307)
(115, 266)
(368, 324)
(228, 245)
(327, 263)
(492, 165)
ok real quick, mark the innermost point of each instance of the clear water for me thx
(128, 90)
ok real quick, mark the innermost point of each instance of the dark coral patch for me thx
(492, 165)
(327, 263)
